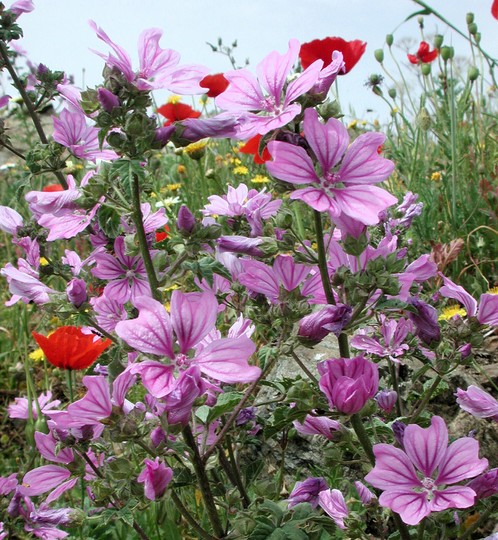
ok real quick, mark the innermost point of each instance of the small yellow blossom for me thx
(172, 287)
(260, 179)
(153, 195)
(494, 290)
(43, 261)
(37, 355)
(450, 312)
(167, 306)
(174, 99)
(436, 176)
(181, 169)
(353, 124)
(173, 187)
(363, 122)
(241, 169)
(196, 150)
(314, 245)
(376, 123)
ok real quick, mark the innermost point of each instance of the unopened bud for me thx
(76, 292)
(186, 220)
(425, 69)
(420, 21)
(469, 18)
(438, 41)
(473, 73)
(472, 29)
(447, 53)
(389, 40)
(379, 55)
(107, 99)
(392, 93)
(477, 37)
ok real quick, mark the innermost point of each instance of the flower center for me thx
(269, 105)
(182, 360)
(428, 483)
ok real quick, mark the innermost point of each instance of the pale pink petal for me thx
(272, 71)
(304, 82)
(328, 141)
(333, 502)
(488, 309)
(43, 479)
(461, 461)
(96, 404)
(426, 447)
(260, 278)
(243, 93)
(316, 198)
(46, 445)
(290, 273)
(452, 290)
(452, 497)
(291, 163)
(393, 469)
(157, 378)
(363, 202)
(62, 488)
(413, 507)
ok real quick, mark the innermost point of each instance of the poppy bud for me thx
(469, 18)
(425, 69)
(438, 41)
(420, 21)
(389, 39)
(447, 53)
(473, 73)
(379, 55)
(472, 29)
(392, 93)
(477, 37)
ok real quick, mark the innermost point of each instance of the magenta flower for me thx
(485, 485)
(10, 220)
(158, 68)
(366, 496)
(334, 504)
(155, 477)
(345, 190)
(126, 274)
(477, 402)
(318, 425)
(193, 318)
(8, 484)
(262, 113)
(418, 481)
(314, 327)
(25, 285)
(348, 383)
(394, 333)
(22, 6)
(19, 408)
(43, 479)
(307, 491)
(386, 399)
(71, 130)
(108, 312)
(487, 310)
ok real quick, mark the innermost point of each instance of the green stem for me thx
(394, 380)
(142, 240)
(427, 396)
(190, 519)
(29, 105)
(304, 368)
(200, 471)
(13, 150)
(69, 381)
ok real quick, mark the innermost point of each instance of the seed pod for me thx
(379, 55)
(389, 40)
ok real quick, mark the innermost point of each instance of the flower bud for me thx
(473, 73)
(469, 18)
(186, 221)
(399, 432)
(379, 55)
(472, 29)
(477, 37)
(307, 491)
(76, 292)
(162, 135)
(447, 53)
(386, 399)
(107, 99)
(420, 21)
(465, 350)
(438, 41)
(425, 69)
(392, 93)
(389, 40)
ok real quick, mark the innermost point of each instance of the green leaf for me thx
(109, 221)
(123, 171)
(293, 533)
(263, 529)
(226, 402)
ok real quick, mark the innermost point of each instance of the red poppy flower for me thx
(216, 84)
(322, 49)
(252, 147)
(494, 9)
(162, 234)
(424, 55)
(69, 348)
(176, 111)
(52, 187)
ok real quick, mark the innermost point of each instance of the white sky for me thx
(57, 33)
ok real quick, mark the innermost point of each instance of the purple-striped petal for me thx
(43, 479)
(363, 203)
(291, 163)
(413, 507)
(460, 461)
(452, 497)
(393, 469)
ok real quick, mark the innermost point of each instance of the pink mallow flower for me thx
(346, 189)
(487, 310)
(307, 491)
(418, 481)
(477, 402)
(193, 318)
(158, 68)
(348, 383)
(155, 477)
(20, 406)
(334, 504)
(260, 111)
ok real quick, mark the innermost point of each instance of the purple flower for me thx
(394, 332)
(477, 402)
(332, 501)
(10, 220)
(216, 127)
(313, 328)
(487, 310)
(8, 484)
(107, 99)
(108, 312)
(22, 6)
(163, 134)
(348, 383)
(193, 318)
(318, 425)
(417, 481)
(245, 416)
(155, 477)
(365, 494)
(241, 244)
(307, 491)
(71, 130)
(485, 485)
(76, 292)
(43, 479)
(346, 190)
(126, 273)
(425, 320)
(179, 400)
(186, 221)
(386, 399)
(24, 284)
(244, 94)
(399, 432)
(158, 68)
(19, 408)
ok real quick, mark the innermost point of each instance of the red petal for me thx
(413, 59)
(175, 112)
(52, 187)
(494, 9)
(323, 49)
(252, 147)
(216, 84)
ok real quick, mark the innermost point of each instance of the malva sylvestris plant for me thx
(189, 304)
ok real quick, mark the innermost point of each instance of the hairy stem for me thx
(427, 396)
(304, 368)
(190, 519)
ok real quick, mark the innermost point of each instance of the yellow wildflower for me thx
(494, 290)
(436, 176)
(181, 169)
(451, 311)
(173, 187)
(353, 124)
(37, 355)
(43, 261)
(174, 99)
(241, 169)
(260, 179)
(196, 150)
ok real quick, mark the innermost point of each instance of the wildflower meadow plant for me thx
(174, 393)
